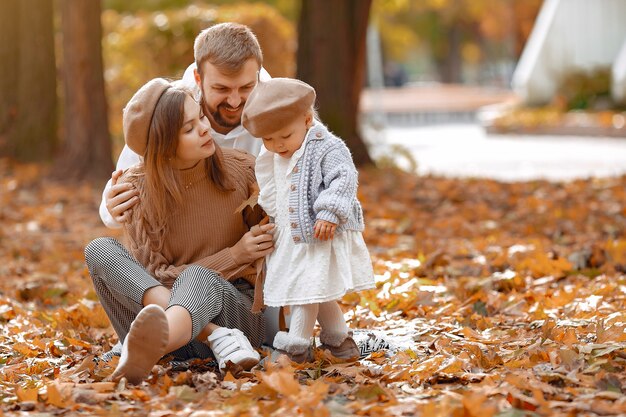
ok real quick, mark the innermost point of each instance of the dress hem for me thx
(316, 300)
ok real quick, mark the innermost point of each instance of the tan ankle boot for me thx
(346, 350)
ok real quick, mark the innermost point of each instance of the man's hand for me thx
(255, 244)
(324, 230)
(120, 198)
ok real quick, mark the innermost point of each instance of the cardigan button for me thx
(291, 210)
(294, 225)
(293, 187)
(295, 169)
(296, 239)
(318, 134)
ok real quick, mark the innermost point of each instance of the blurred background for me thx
(511, 89)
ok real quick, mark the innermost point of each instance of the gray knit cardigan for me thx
(323, 185)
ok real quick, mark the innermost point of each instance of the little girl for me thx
(308, 185)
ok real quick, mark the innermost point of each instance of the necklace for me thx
(190, 182)
(192, 175)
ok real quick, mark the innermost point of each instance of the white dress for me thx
(314, 272)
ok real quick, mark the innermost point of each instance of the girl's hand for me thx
(324, 230)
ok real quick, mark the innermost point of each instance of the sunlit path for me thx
(465, 150)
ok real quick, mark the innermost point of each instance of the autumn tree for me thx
(331, 57)
(87, 147)
(455, 32)
(28, 108)
(9, 55)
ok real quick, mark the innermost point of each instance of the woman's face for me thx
(194, 140)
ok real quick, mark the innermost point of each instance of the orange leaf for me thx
(26, 394)
(283, 382)
(55, 397)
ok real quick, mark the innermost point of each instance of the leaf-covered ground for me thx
(500, 299)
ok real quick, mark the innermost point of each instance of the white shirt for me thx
(238, 138)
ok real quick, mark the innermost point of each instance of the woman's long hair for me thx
(161, 192)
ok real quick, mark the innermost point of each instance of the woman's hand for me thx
(324, 230)
(255, 244)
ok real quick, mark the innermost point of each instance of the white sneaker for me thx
(144, 345)
(231, 345)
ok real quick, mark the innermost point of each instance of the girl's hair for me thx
(162, 191)
(315, 114)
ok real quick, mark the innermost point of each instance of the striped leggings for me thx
(120, 283)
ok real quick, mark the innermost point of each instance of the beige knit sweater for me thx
(202, 230)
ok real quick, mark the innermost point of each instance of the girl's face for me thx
(194, 140)
(286, 141)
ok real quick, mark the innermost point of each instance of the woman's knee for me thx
(201, 275)
(199, 281)
(100, 251)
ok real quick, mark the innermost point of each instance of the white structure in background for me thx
(375, 75)
(373, 123)
(618, 89)
(572, 35)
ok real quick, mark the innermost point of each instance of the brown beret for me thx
(274, 103)
(138, 114)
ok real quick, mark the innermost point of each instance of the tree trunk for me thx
(450, 65)
(9, 58)
(87, 148)
(28, 79)
(331, 57)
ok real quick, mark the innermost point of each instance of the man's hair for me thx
(227, 46)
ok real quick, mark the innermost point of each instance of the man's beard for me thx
(217, 117)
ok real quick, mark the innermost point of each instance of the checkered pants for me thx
(120, 283)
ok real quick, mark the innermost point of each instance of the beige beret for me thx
(138, 114)
(275, 103)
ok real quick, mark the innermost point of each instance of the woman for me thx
(186, 283)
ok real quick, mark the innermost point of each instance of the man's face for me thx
(225, 94)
